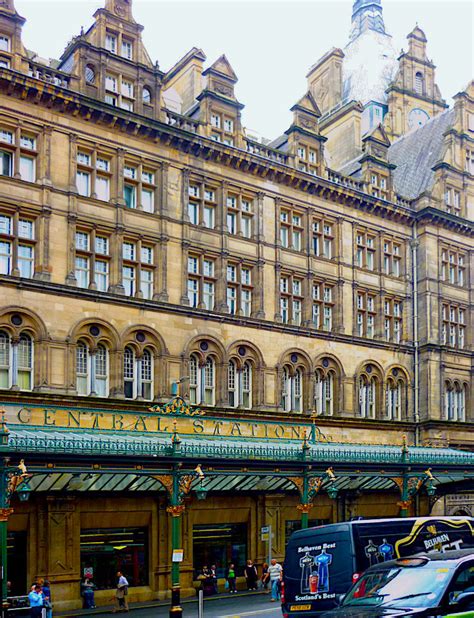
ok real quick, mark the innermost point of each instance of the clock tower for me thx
(413, 96)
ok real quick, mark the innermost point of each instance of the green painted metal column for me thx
(176, 510)
(305, 506)
(5, 512)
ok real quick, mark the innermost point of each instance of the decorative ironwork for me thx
(5, 514)
(304, 508)
(177, 407)
(166, 480)
(176, 510)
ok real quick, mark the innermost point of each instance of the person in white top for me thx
(275, 570)
(121, 602)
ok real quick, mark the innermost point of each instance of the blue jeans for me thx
(275, 591)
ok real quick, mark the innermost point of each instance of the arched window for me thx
(92, 370)
(324, 392)
(393, 399)
(25, 363)
(137, 374)
(239, 383)
(292, 390)
(5, 364)
(419, 83)
(455, 401)
(367, 396)
(16, 362)
(146, 97)
(202, 379)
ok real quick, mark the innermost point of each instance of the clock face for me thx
(417, 118)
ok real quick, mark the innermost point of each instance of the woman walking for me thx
(251, 575)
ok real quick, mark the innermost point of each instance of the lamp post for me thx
(13, 479)
(178, 485)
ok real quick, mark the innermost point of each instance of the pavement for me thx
(240, 605)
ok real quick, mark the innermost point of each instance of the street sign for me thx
(178, 555)
(265, 533)
(88, 572)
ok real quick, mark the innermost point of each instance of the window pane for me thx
(5, 163)
(148, 200)
(82, 241)
(82, 272)
(25, 229)
(146, 284)
(5, 257)
(5, 224)
(27, 169)
(83, 183)
(25, 261)
(102, 245)
(102, 188)
(102, 275)
(130, 196)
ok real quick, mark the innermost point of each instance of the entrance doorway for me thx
(17, 563)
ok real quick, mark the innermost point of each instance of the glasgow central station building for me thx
(312, 296)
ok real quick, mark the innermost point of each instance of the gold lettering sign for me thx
(155, 423)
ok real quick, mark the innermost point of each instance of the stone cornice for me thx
(414, 95)
(434, 215)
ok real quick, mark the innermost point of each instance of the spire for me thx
(367, 15)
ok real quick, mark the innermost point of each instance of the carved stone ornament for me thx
(121, 7)
(223, 89)
(307, 124)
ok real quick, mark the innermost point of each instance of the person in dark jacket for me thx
(251, 575)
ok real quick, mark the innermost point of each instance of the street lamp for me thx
(13, 479)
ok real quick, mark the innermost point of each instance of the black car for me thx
(435, 585)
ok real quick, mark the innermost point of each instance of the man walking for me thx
(121, 601)
(275, 570)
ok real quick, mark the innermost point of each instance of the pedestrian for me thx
(36, 600)
(88, 588)
(265, 576)
(121, 593)
(48, 604)
(213, 575)
(231, 578)
(251, 575)
(275, 570)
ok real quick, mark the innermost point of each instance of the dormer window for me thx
(4, 63)
(111, 42)
(127, 49)
(4, 43)
(216, 121)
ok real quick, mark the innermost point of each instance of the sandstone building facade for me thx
(145, 238)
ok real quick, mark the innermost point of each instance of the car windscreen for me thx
(400, 587)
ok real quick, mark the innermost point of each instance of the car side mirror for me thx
(465, 600)
(340, 598)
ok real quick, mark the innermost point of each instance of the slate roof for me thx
(416, 153)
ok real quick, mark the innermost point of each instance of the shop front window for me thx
(219, 544)
(292, 525)
(108, 550)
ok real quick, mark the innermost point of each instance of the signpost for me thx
(266, 535)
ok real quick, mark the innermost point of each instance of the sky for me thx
(270, 43)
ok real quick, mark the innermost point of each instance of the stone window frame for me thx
(454, 320)
(457, 265)
(15, 241)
